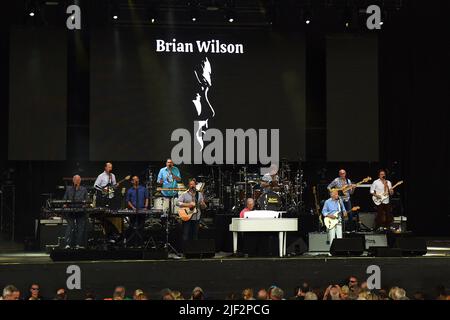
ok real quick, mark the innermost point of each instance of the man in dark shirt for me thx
(76, 222)
(137, 199)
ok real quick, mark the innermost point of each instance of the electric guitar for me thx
(330, 223)
(108, 190)
(347, 187)
(385, 195)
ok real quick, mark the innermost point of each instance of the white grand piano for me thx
(264, 221)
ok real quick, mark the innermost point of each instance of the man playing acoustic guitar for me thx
(192, 201)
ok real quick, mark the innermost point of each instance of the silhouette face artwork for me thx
(203, 107)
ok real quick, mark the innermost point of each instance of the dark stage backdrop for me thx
(139, 96)
(352, 97)
(38, 94)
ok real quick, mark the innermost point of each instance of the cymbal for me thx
(171, 189)
(248, 182)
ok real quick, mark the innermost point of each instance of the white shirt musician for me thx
(382, 188)
(106, 179)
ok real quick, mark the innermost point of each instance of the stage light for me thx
(229, 11)
(115, 10)
(32, 8)
(306, 16)
(193, 10)
(152, 12)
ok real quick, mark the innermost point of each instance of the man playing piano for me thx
(137, 199)
(76, 222)
(250, 207)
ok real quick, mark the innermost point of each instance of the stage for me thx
(224, 274)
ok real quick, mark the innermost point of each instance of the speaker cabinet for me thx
(347, 247)
(50, 232)
(318, 242)
(411, 246)
(204, 248)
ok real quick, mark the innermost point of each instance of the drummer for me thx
(169, 176)
(270, 180)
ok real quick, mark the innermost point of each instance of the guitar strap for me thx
(196, 201)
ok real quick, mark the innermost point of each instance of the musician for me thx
(270, 180)
(250, 207)
(379, 187)
(168, 177)
(341, 182)
(332, 205)
(76, 222)
(103, 183)
(137, 199)
(192, 199)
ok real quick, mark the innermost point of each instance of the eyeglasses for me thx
(35, 289)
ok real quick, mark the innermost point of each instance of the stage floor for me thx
(224, 274)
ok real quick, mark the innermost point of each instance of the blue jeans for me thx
(76, 229)
(190, 230)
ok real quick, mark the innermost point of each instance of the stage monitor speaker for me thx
(375, 240)
(297, 248)
(318, 242)
(203, 248)
(384, 252)
(347, 247)
(411, 246)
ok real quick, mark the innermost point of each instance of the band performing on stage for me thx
(123, 217)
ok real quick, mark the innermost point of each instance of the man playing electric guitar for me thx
(380, 190)
(104, 184)
(333, 211)
(191, 202)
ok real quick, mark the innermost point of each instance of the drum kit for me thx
(283, 195)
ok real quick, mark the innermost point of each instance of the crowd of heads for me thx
(350, 289)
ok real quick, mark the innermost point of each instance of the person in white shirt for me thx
(105, 181)
(381, 187)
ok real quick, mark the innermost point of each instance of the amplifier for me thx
(318, 242)
(50, 231)
(367, 219)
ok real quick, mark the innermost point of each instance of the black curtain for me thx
(414, 101)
